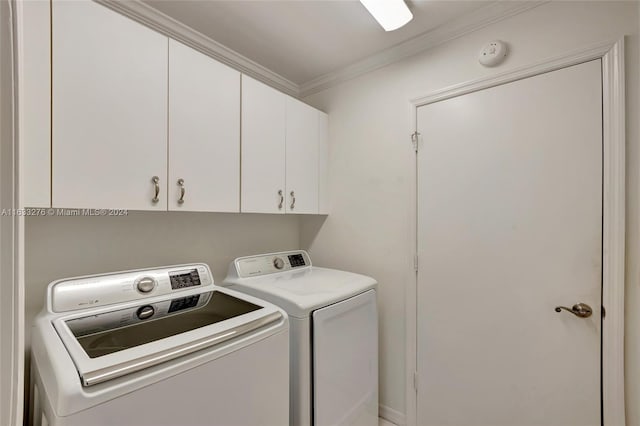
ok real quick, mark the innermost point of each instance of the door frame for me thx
(613, 209)
(12, 231)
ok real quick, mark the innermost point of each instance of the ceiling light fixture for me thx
(390, 14)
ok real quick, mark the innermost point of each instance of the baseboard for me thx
(389, 414)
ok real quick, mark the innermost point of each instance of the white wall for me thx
(372, 164)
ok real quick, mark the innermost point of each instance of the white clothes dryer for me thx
(161, 346)
(334, 335)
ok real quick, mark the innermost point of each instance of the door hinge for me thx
(415, 136)
(415, 381)
(415, 263)
(604, 312)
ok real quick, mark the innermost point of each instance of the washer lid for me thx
(109, 342)
(299, 292)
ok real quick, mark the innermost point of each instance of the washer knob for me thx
(145, 284)
(278, 263)
(145, 312)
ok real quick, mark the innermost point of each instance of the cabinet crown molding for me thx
(458, 27)
(166, 25)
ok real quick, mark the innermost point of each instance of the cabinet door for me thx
(302, 157)
(204, 132)
(109, 110)
(263, 148)
(323, 163)
(34, 62)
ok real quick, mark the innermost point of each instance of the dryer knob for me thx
(145, 312)
(278, 263)
(145, 284)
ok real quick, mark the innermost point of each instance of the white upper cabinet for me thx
(204, 132)
(263, 148)
(109, 110)
(301, 157)
(323, 163)
(283, 152)
(142, 122)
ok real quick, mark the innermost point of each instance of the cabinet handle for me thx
(156, 183)
(182, 190)
(293, 200)
(281, 199)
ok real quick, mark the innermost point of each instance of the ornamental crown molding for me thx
(164, 24)
(485, 16)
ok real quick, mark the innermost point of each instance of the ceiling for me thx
(304, 39)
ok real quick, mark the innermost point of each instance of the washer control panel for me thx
(278, 263)
(99, 290)
(184, 279)
(264, 264)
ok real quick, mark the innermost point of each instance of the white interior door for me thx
(204, 132)
(509, 227)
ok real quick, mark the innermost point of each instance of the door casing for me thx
(613, 227)
(11, 225)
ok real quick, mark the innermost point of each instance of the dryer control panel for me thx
(100, 290)
(264, 264)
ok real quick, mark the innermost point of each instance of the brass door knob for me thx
(581, 310)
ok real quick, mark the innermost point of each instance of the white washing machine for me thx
(334, 335)
(161, 346)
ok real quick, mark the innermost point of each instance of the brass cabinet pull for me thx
(156, 182)
(182, 191)
(581, 310)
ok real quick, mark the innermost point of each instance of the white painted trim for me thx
(613, 241)
(589, 53)
(411, 300)
(12, 288)
(391, 415)
(158, 21)
(613, 237)
(490, 14)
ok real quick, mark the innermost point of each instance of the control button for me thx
(145, 284)
(145, 312)
(278, 263)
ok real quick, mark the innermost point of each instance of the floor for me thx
(383, 422)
